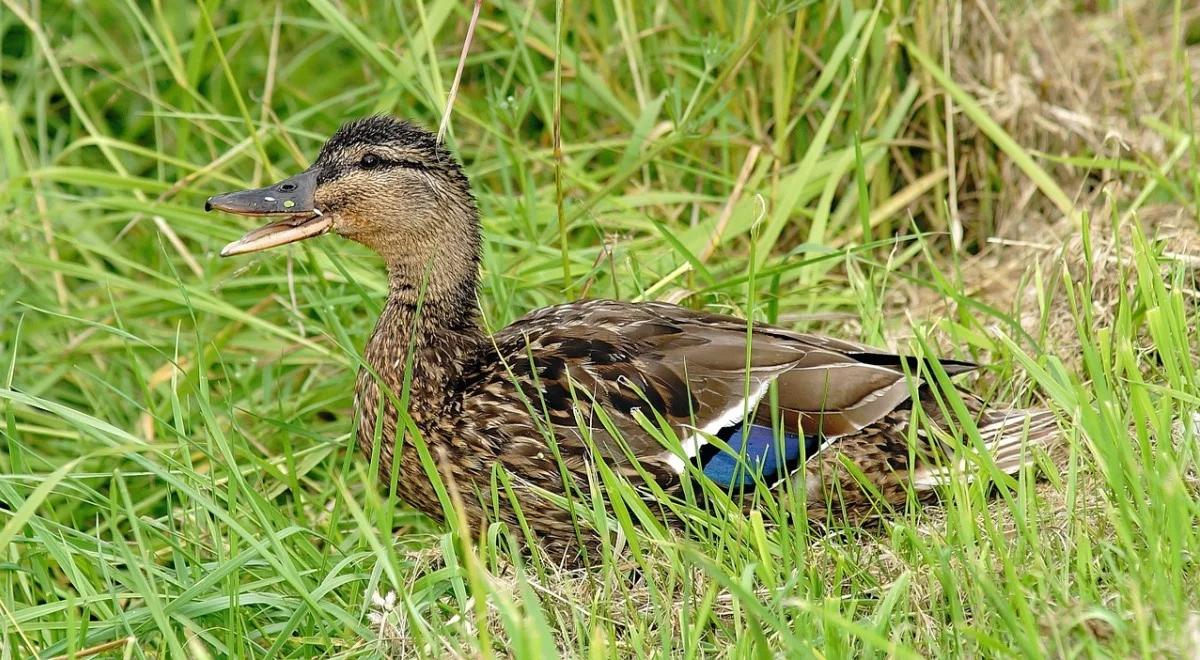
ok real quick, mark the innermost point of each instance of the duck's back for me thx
(651, 387)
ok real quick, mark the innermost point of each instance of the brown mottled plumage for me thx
(594, 375)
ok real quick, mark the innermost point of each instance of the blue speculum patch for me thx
(756, 451)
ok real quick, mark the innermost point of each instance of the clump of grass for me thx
(176, 476)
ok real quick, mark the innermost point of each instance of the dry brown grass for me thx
(1047, 73)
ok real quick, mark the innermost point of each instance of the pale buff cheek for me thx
(347, 227)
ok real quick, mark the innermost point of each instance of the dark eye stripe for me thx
(336, 170)
(408, 164)
(382, 162)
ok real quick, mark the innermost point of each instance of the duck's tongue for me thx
(291, 198)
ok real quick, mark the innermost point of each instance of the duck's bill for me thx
(290, 201)
(295, 227)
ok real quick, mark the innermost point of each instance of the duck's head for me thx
(380, 181)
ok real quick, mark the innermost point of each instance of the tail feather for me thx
(1011, 437)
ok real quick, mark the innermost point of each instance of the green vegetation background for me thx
(176, 474)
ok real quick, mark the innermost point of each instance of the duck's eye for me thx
(369, 161)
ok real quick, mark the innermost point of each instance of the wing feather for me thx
(699, 372)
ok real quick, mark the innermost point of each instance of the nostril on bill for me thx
(287, 187)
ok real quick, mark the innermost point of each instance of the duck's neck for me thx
(428, 335)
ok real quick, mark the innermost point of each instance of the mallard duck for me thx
(603, 380)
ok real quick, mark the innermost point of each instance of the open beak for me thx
(291, 201)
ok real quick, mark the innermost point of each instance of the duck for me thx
(674, 400)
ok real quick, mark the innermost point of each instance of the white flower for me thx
(385, 618)
(387, 602)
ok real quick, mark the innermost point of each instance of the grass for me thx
(1015, 185)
